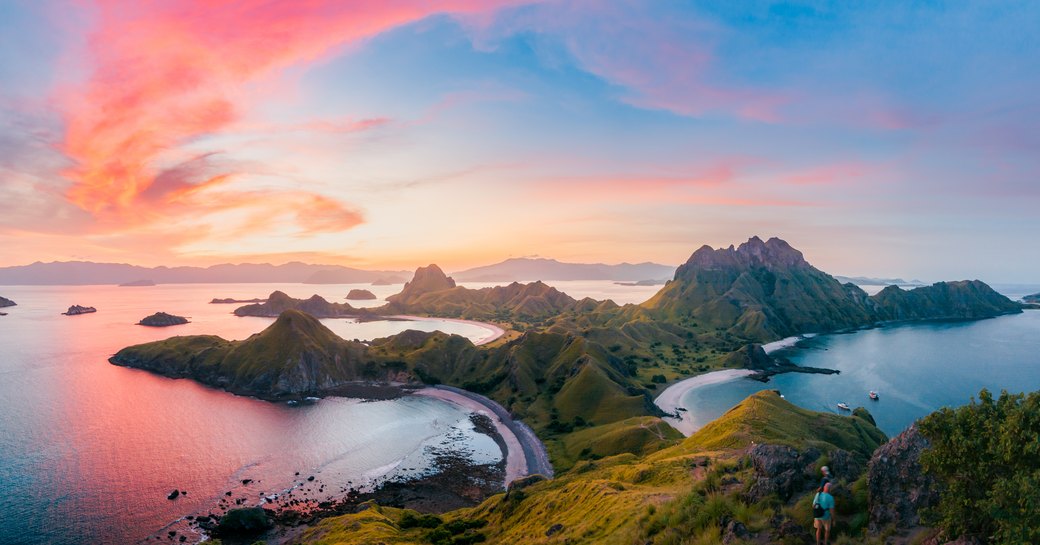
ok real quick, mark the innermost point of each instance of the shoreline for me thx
(496, 331)
(787, 342)
(524, 454)
(670, 399)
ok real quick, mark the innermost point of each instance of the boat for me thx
(683, 409)
(873, 395)
(843, 406)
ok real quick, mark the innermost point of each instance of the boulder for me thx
(782, 470)
(897, 486)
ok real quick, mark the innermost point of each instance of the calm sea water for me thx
(89, 451)
(915, 369)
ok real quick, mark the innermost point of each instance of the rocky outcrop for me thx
(76, 310)
(897, 486)
(427, 279)
(781, 470)
(162, 319)
(788, 472)
(360, 295)
(278, 302)
(5, 302)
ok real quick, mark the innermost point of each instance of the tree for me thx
(987, 456)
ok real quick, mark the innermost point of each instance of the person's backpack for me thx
(817, 510)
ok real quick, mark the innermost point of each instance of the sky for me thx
(880, 138)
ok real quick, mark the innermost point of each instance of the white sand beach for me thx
(788, 342)
(516, 460)
(494, 331)
(671, 398)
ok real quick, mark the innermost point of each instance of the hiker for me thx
(826, 476)
(823, 513)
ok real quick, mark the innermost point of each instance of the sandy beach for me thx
(494, 331)
(671, 398)
(788, 342)
(525, 454)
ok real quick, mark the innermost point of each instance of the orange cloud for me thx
(165, 73)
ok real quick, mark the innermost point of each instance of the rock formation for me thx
(427, 279)
(162, 319)
(76, 309)
(897, 486)
(5, 302)
(360, 295)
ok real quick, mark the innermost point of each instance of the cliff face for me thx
(279, 302)
(897, 485)
(766, 290)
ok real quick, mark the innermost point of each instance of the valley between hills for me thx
(583, 375)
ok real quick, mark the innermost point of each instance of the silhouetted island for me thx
(231, 301)
(77, 309)
(360, 295)
(137, 284)
(5, 302)
(162, 319)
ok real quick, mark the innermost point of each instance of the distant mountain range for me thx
(524, 269)
(85, 273)
(868, 281)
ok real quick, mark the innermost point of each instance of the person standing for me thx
(826, 476)
(823, 513)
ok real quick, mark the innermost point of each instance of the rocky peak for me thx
(771, 254)
(897, 486)
(426, 280)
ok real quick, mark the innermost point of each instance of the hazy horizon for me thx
(887, 140)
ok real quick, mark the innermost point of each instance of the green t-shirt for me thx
(826, 501)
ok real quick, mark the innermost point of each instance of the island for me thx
(583, 375)
(1034, 298)
(643, 283)
(162, 319)
(232, 301)
(5, 302)
(360, 295)
(137, 284)
(388, 281)
(76, 310)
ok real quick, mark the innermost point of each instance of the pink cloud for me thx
(166, 73)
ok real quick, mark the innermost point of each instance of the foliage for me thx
(987, 457)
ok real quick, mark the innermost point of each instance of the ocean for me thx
(915, 368)
(89, 451)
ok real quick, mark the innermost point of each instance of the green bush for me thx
(986, 455)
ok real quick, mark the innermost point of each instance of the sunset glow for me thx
(392, 134)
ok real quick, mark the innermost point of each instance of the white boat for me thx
(843, 406)
(873, 395)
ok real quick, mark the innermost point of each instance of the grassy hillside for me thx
(632, 498)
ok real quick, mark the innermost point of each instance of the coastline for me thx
(786, 342)
(670, 399)
(524, 453)
(496, 331)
